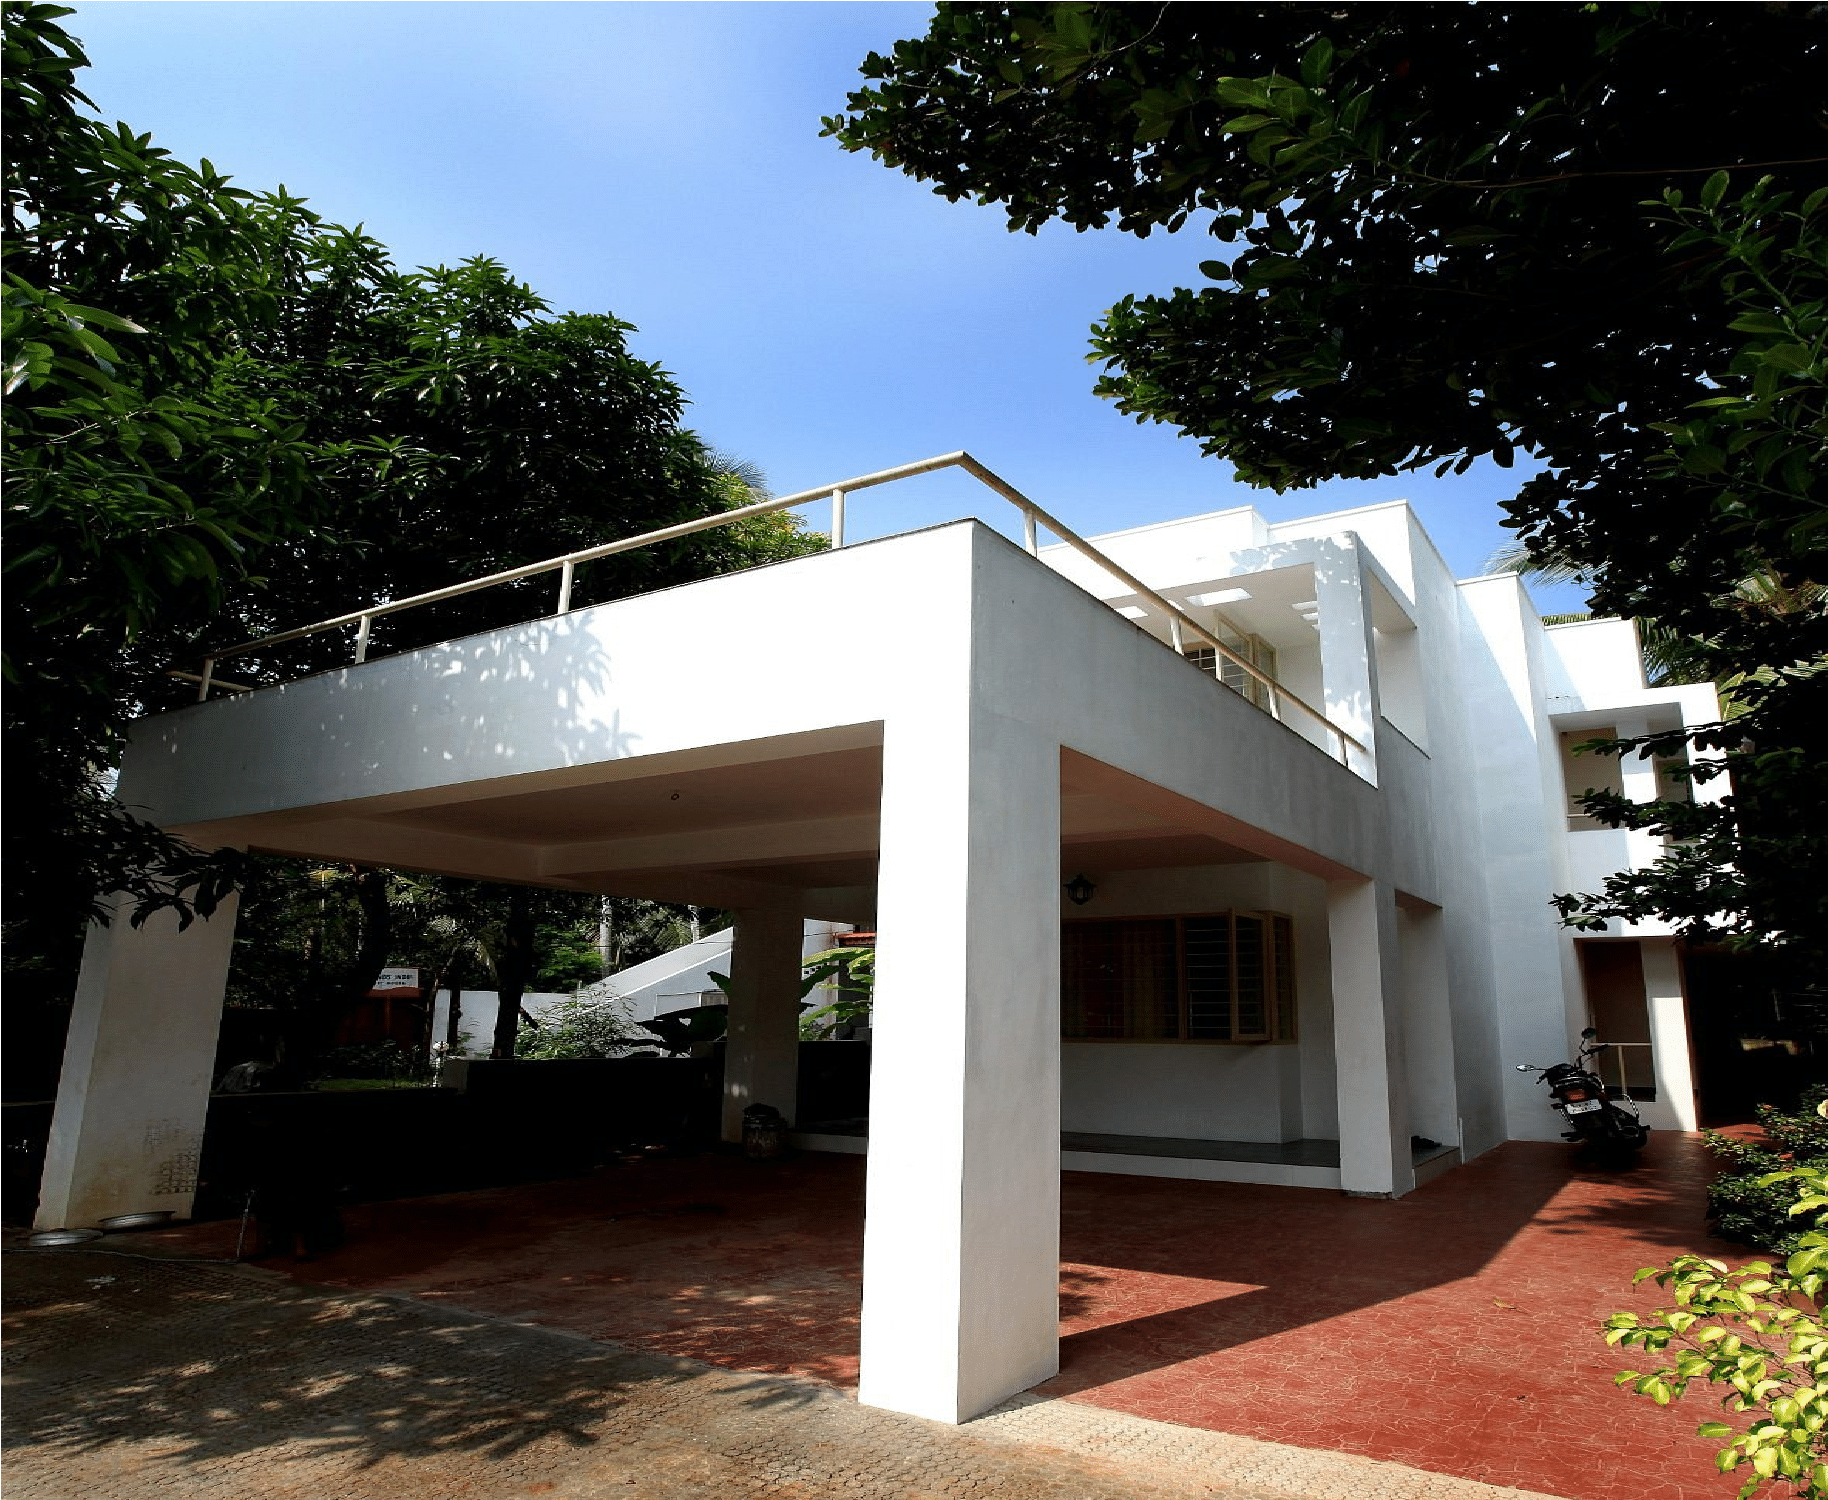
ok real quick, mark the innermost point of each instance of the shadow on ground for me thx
(183, 1355)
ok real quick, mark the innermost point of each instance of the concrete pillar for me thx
(1669, 1035)
(961, 1255)
(762, 1052)
(127, 1134)
(1348, 652)
(1367, 965)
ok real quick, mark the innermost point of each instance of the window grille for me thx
(1254, 649)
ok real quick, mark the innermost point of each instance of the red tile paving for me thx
(1451, 1330)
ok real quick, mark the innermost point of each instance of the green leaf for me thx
(1317, 63)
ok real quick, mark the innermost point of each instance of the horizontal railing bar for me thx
(1178, 618)
(590, 554)
(212, 680)
(1172, 610)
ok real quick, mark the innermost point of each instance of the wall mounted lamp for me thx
(1079, 890)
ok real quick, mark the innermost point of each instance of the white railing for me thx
(1180, 624)
(1615, 1054)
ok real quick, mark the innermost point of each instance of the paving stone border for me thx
(1247, 1464)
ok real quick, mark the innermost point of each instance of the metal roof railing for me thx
(1180, 624)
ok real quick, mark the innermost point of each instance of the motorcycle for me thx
(1598, 1121)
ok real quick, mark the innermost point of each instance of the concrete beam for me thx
(708, 848)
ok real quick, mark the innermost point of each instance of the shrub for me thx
(1758, 1332)
(849, 976)
(581, 1028)
(388, 1060)
(1748, 1203)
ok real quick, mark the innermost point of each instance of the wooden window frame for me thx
(1275, 954)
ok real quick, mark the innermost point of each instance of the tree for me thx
(229, 417)
(141, 470)
(1588, 233)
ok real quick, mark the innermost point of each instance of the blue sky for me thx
(662, 162)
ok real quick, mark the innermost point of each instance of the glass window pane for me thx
(1117, 981)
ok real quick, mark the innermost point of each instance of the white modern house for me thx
(1310, 794)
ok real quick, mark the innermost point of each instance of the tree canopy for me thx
(228, 417)
(1591, 234)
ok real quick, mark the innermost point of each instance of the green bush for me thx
(385, 1060)
(1758, 1332)
(1748, 1204)
(581, 1029)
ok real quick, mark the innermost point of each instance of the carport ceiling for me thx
(826, 787)
(831, 784)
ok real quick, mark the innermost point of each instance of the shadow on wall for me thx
(525, 698)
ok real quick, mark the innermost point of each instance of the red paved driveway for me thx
(1452, 1330)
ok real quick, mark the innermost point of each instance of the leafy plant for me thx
(581, 1028)
(380, 1060)
(1749, 1204)
(1758, 1332)
(850, 974)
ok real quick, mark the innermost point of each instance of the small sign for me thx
(398, 979)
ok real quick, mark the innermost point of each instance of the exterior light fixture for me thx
(1079, 890)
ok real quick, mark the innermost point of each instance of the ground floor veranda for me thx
(1454, 1330)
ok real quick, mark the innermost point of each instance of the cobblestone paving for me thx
(131, 1377)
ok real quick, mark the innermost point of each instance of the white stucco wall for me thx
(477, 1014)
(1187, 1090)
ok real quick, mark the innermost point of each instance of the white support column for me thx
(961, 1257)
(762, 1053)
(1374, 1156)
(1669, 1034)
(1348, 651)
(127, 1134)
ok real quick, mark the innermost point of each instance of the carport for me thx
(1011, 728)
